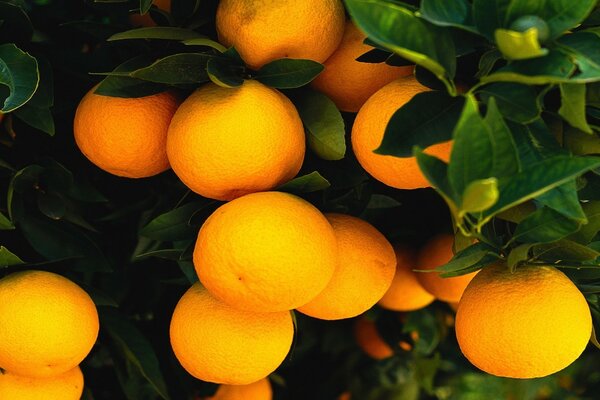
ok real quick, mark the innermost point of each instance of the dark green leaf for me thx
(7, 258)
(487, 62)
(555, 67)
(543, 226)
(490, 15)
(39, 118)
(176, 69)
(463, 261)
(5, 223)
(505, 158)
(436, 172)
(516, 102)
(518, 255)
(167, 254)
(324, 123)
(16, 26)
(145, 6)
(134, 346)
(19, 72)
(122, 85)
(174, 224)
(448, 13)
(288, 73)
(584, 49)
(398, 28)
(312, 182)
(572, 107)
(224, 73)
(157, 32)
(564, 250)
(588, 231)
(428, 118)
(206, 42)
(564, 199)
(51, 205)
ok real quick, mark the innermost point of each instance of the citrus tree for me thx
(317, 199)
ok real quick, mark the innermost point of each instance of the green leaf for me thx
(518, 255)
(516, 102)
(7, 258)
(308, 183)
(19, 72)
(480, 195)
(555, 67)
(134, 346)
(472, 151)
(543, 226)
(205, 42)
(584, 50)
(176, 69)
(564, 250)
(465, 261)
(398, 28)
(487, 62)
(157, 32)
(519, 45)
(288, 73)
(490, 15)
(39, 118)
(540, 178)
(572, 107)
(324, 124)
(123, 85)
(505, 157)
(428, 118)
(16, 26)
(174, 224)
(588, 231)
(5, 223)
(223, 72)
(436, 172)
(448, 13)
(145, 6)
(51, 205)
(565, 200)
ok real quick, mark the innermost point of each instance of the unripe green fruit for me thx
(526, 22)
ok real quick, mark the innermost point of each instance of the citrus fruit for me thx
(266, 30)
(526, 324)
(349, 83)
(221, 344)
(364, 271)
(368, 339)
(369, 127)
(125, 136)
(266, 252)
(66, 386)
(405, 292)
(146, 20)
(435, 253)
(48, 324)
(260, 390)
(227, 142)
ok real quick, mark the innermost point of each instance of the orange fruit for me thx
(66, 386)
(221, 344)
(349, 83)
(266, 30)
(364, 272)
(266, 252)
(437, 252)
(368, 339)
(405, 292)
(260, 390)
(224, 143)
(48, 324)
(369, 127)
(345, 396)
(125, 136)
(146, 20)
(527, 324)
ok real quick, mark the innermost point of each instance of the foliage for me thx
(509, 90)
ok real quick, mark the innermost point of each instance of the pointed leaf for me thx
(543, 226)
(157, 32)
(176, 69)
(123, 85)
(448, 13)
(516, 102)
(225, 73)
(308, 183)
(174, 224)
(564, 199)
(518, 255)
(5, 223)
(505, 157)
(19, 72)
(7, 258)
(572, 107)
(555, 67)
(288, 73)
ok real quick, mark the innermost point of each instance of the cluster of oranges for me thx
(264, 253)
(49, 325)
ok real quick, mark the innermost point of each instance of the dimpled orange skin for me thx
(266, 30)
(224, 143)
(67, 386)
(364, 272)
(437, 252)
(526, 324)
(370, 341)
(220, 344)
(48, 324)
(405, 292)
(266, 252)
(369, 127)
(125, 136)
(349, 83)
(260, 390)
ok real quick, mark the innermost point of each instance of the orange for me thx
(437, 252)
(405, 292)
(224, 143)
(266, 30)
(369, 127)
(368, 339)
(266, 252)
(527, 324)
(349, 83)
(125, 136)
(146, 20)
(66, 386)
(220, 344)
(364, 272)
(345, 396)
(48, 324)
(260, 390)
